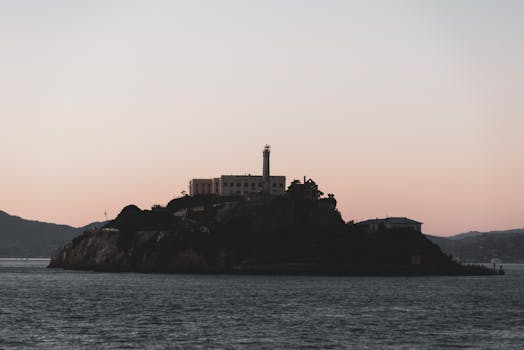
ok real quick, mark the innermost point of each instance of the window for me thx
(246, 184)
(274, 185)
(225, 184)
(231, 184)
(281, 185)
(260, 184)
(238, 184)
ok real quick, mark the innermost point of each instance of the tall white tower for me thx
(265, 168)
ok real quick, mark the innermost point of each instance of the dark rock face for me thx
(97, 249)
(210, 234)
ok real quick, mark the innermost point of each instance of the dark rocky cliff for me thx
(211, 234)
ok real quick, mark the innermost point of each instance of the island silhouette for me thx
(295, 233)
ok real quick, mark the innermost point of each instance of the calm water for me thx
(56, 309)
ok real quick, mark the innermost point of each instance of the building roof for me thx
(393, 220)
(249, 175)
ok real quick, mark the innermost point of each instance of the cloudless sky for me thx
(400, 108)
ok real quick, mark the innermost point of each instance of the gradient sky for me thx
(400, 108)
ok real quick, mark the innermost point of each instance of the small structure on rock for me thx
(375, 225)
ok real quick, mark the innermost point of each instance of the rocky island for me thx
(254, 234)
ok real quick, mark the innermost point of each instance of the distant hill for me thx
(477, 233)
(508, 246)
(32, 239)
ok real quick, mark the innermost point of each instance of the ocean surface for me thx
(56, 309)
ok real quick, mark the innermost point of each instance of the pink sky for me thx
(403, 108)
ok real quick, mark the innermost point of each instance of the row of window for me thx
(206, 188)
(203, 187)
(246, 184)
(203, 191)
(250, 192)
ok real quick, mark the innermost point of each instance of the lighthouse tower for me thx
(265, 168)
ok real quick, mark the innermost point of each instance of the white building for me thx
(241, 185)
(248, 184)
(204, 186)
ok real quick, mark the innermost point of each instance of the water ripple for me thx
(55, 309)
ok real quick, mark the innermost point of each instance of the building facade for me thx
(204, 186)
(231, 185)
(241, 185)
